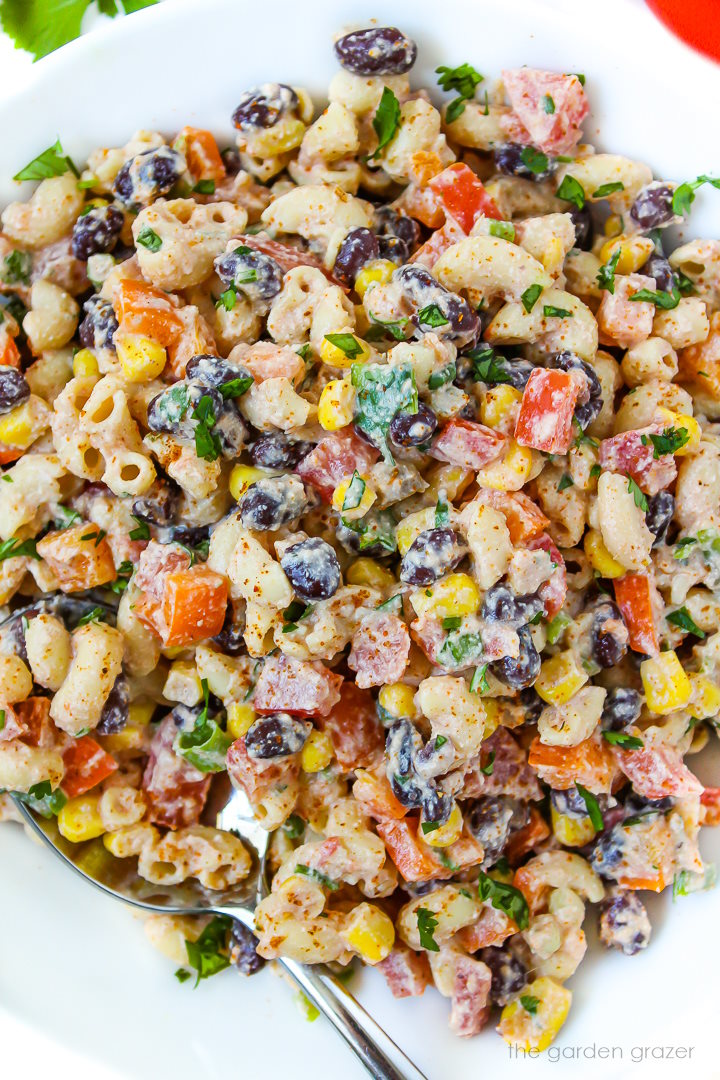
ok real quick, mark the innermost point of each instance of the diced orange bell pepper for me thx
(530, 886)
(655, 883)
(526, 839)
(142, 309)
(374, 794)
(492, 928)
(524, 519)
(201, 153)
(9, 352)
(700, 364)
(463, 195)
(546, 411)
(86, 766)
(401, 841)
(710, 800)
(193, 605)
(8, 455)
(34, 715)
(634, 595)
(80, 557)
(590, 762)
(422, 204)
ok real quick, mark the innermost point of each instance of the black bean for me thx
(413, 429)
(209, 370)
(188, 535)
(621, 708)
(379, 50)
(653, 206)
(608, 634)
(278, 451)
(509, 973)
(639, 805)
(159, 504)
(243, 949)
(624, 923)
(570, 802)
(231, 638)
(659, 514)
(393, 249)
(501, 604)
(230, 430)
(608, 852)
(532, 704)
(115, 712)
(433, 303)
(584, 229)
(403, 746)
(390, 223)
(148, 176)
(437, 806)
(172, 412)
(96, 232)
(97, 330)
(360, 246)
(272, 502)
(586, 411)
(264, 105)
(14, 388)
(351, 540)
(432, 554)
(521, 671)
(276, 736)
(509, 160)
(658, 268)
(257, 276)
(491, 819)
(312, 569)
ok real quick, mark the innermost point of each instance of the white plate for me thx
(74, 965)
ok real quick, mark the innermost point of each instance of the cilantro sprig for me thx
(386, 121)
(463, 79)
(426, 923)
(684, 195)
(41, 26)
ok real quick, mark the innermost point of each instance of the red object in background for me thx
(697, 22)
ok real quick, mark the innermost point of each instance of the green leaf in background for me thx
(41, 26)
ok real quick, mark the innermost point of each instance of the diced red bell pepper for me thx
(468, 444)
(336, 456)
(469, 1009)
(546, 411)
(380, 650)
(201, 153)
(257, 777)
(589, 763)
(710, 800)
(354, 728)
(422, 204)
(634, 596)
(298, 687)
(463, 195)
(553, 591)
(142, 309)
(511, 775)
(38, 728)
(656, 771)
(412, 860)
(86, 766)
(524, 519)
(529, 90)
(407, 973)
(442, 239)
(492, 928)
(627, 453)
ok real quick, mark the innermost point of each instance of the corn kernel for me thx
(183, 683)
(378, 272)
(397, 699)
(613, 225)
(85, 363)
(317, 753)
(278, 139)
(510, 473)
(17, 428)
(452, 479)
(132, 737)
(336, 405)
(554, 255)
(240, 718)
(572, 831)
(634, 252)
(366, 571)
(410, 528)
(141, 712)
(370, 933)
(666, 685)
(599, 556)
(683, 420)
(560, 678)
(500, 406)
(80, 819)
(353, 513)
(705, 699)
(445, 834)
(492, 716)
(536, 1030)
(141, 359)
(334, 356)
(457, 594)
(241, 477)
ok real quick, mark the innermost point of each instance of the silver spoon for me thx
(119, 878)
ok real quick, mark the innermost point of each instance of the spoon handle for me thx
(375, 1049)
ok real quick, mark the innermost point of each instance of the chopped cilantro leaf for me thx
(426, 924)
(530, 297)
(386, 120)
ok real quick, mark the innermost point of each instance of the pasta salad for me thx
(372, 462)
